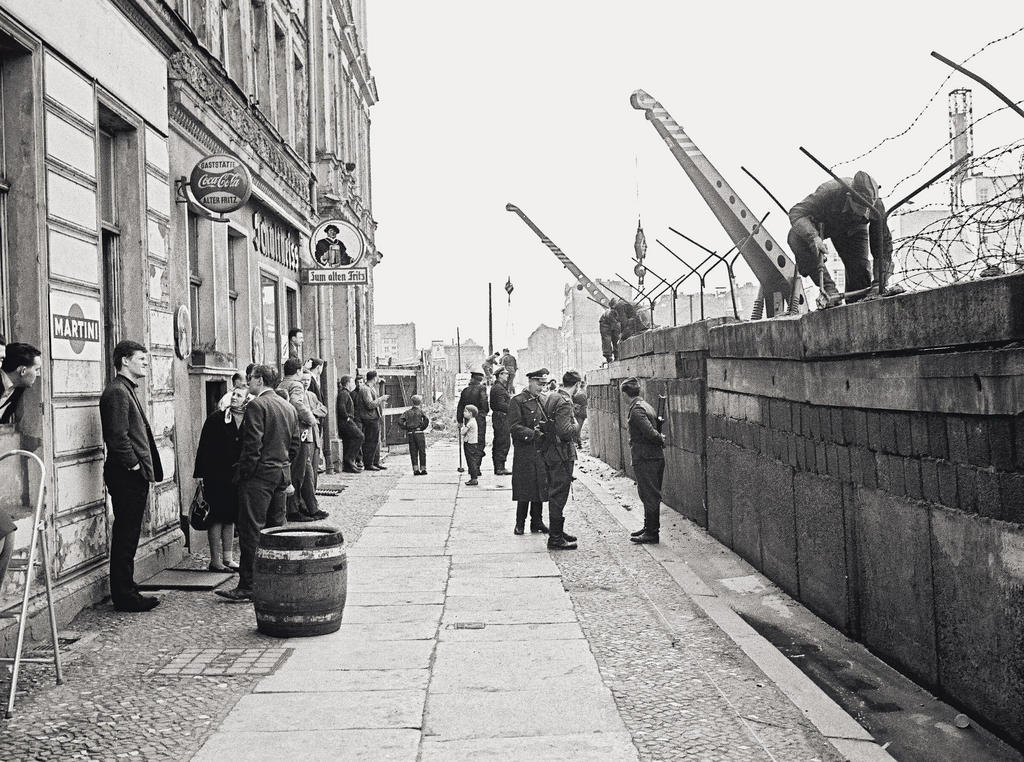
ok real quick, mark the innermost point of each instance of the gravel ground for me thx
(114, 704)
(684, 690)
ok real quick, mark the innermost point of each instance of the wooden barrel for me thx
(301, 580)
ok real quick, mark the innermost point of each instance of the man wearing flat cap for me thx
(559, 447)
(475, 394)
(526, 421)
(647, 448)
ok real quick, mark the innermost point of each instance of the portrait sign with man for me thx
(337, 244)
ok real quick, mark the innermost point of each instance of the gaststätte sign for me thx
(220, 183)
(337, 248)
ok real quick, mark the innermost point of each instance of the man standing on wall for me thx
(132, 463)
(647, 448)
(368, 408)
(20, 365)
(269, 437)
(508, 361)
(559, 456)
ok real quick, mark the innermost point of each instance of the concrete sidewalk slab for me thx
(321, 746)
(348, 631)
(354, 654)
(509, 565)
(509, 616)
(513, 632)
(540, 588)
(511, 665)
(340, 681)
(396, 613)
(377, 598)
(597, 747)
(266, 712)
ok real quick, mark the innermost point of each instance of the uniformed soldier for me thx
(610, 328)
(475, 394)
(559, 446)
(500, 399)
(526, 418)
(647, 447)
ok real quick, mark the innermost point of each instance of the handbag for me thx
(199, 511)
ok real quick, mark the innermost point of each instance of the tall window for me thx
(197, 19)
(281, 81)
(110, 238)
(292, 307)
(301, 122)
(195, 280)
(236, 254)
(271, 326)
(261, 90)
(231, 39)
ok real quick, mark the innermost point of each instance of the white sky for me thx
(485, 102)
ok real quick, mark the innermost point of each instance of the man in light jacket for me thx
(302, 505)
(369, 409)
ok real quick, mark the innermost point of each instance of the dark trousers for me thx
(502, 440)
(303, 500)
(351, 443)
(536, 513)
(481, 433)
(474, 455)
(371, 443)
(854, 251)
(129, 492)
(5, 554)
(261, 502)
(418, 450)
(649, 474)
(559, 484)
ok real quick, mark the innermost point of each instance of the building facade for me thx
(542, 350)
(395, 343)
(102, 241)
(581, 333)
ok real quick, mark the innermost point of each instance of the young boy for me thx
(414, 422)
(470, 436)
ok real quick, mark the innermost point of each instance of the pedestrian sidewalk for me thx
(458, 640)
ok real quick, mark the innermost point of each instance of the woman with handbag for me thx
(216, 457)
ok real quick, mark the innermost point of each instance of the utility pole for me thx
(458, 351)
(490, 322)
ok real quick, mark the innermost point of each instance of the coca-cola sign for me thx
(221, 183)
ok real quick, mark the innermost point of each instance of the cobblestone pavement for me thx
(115, 703)
(684, 690)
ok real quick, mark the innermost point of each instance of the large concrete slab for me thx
(476, 566)
(511, 665)
(321, 746)
(348, 631)
(514, 632)
(377, 598)
(597, 747)
(338, 681)
(541, 589)
(330, 711)
(470, 613)
(356, 654)
(537, 712)
(398, 613)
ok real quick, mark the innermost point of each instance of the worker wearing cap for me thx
(856, 230)
(526, 423)
(610, 328)
(647, 450)
(475, 394)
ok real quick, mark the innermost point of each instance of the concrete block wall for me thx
(870, 460)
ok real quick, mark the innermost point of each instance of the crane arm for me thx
(772, 266)
(594, 290)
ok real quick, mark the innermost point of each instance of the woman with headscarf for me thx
(216, 457)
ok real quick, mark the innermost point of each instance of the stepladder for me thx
(38, 556)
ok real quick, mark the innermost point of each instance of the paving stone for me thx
(613, 747)
(305, 681)
(331, 711)
(324, 746)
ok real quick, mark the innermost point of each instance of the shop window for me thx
(281, 81)
(271, 323)
(301, 121)
(195, 280)
(292, 308)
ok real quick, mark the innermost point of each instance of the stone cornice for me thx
(185, 69)
(154, 20)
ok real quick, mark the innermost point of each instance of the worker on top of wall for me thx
(610, 329)
(855, 230)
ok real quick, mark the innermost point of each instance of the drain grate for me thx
(328, 492)
(222, 662)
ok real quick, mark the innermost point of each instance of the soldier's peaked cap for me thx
(631, 383)
(542, 373)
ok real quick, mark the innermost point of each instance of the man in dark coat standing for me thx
(348, 427)
(610, 329)
(475, 394)
(526, 420)
(500, 400)
(647, 448)
(368, 408)
(269, 443)
(132, 463)
(559, 456)
(508, 361)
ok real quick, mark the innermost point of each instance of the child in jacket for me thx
(414, 422)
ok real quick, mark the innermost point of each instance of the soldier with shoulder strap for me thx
(647, 447)
(560, 455)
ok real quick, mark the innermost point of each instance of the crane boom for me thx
(587, 283)
(772, 266)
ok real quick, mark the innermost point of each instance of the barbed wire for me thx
(931, 100)
(981, 238)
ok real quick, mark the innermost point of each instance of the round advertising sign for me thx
(337, 244)
(220, 183)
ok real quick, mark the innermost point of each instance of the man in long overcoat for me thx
(500, 400)
(526, 420)
(475, 394)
